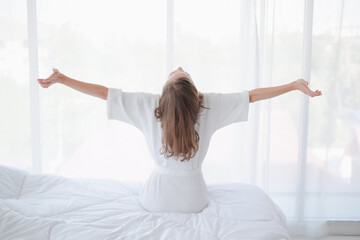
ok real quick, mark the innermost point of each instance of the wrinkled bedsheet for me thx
(44, 206)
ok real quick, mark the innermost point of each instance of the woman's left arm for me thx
(270, 92)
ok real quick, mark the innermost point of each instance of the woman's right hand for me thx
(55, 77)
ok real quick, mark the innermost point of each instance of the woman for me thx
(177, 125)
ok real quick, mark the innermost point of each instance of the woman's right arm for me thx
(87, 88)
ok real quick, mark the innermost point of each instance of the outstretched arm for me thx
(87, 88)
(270, 92)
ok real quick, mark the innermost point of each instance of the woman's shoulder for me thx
(210, 98)
(220, 100)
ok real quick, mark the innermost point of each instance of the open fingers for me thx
(48, 80)
(305, 89)
(316, 93)
(44, 83)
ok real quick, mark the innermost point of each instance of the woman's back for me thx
(174, 185)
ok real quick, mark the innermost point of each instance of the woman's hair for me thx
(179, 107)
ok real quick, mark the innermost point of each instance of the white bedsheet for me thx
(43, 206)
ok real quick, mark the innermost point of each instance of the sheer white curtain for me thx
(303, 152)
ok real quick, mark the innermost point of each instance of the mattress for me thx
(45, 206)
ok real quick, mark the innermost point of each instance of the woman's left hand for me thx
(302, 85)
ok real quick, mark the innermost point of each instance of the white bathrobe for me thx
(176, 186)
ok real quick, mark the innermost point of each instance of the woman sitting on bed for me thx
(177, 125)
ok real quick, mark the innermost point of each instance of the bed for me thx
(45, 206)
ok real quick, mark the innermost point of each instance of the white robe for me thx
(176, 186)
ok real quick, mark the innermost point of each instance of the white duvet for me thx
(43, 206)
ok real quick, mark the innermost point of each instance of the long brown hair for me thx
(179, 107)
